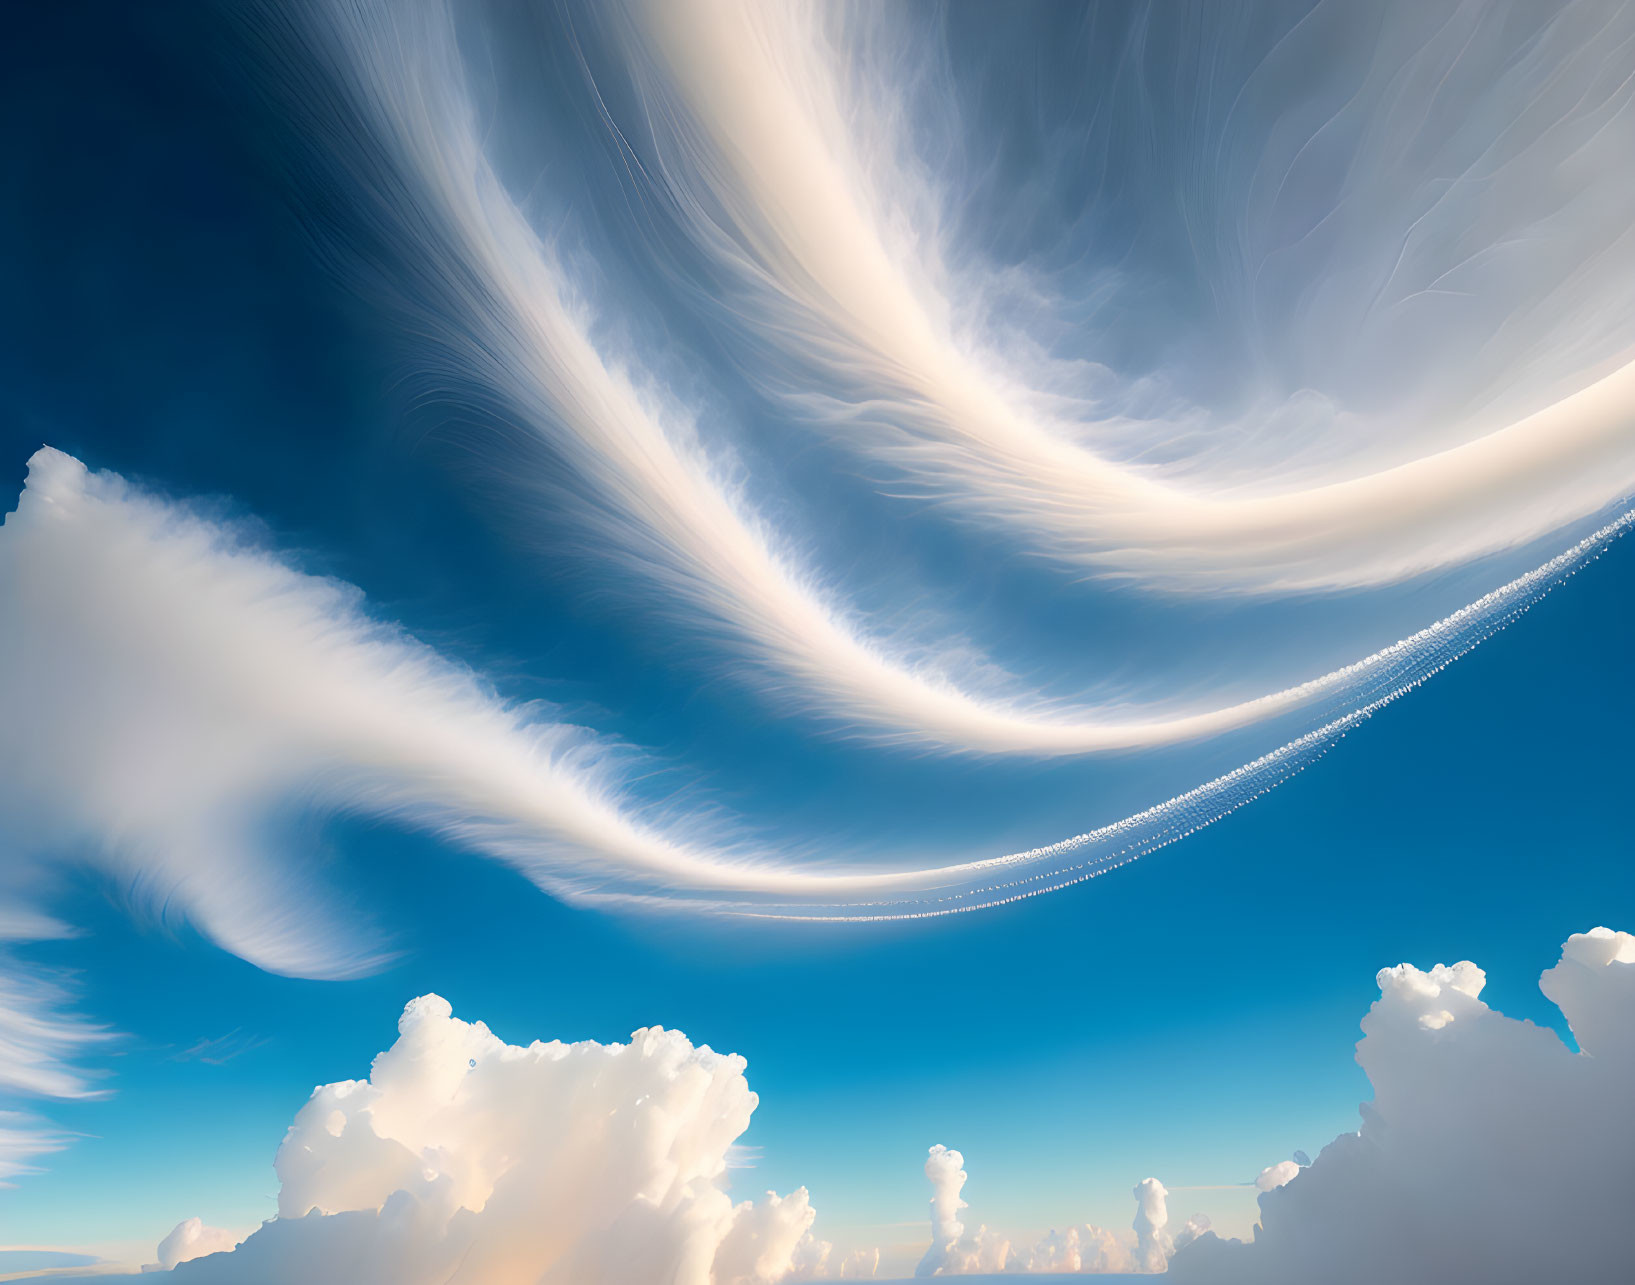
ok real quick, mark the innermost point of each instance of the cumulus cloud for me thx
(952, 1251)
(815, 1259)
(1084, 1249)
(1491, 1152)
(1191, 1230)
(191, 1239)
(1151, 1216)
(464, 1159)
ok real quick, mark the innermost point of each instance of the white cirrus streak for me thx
(784, 164)
(504, 311)
(998, 881)
(171, 690)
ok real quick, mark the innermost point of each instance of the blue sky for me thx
(1191, 1014)
(178, 321)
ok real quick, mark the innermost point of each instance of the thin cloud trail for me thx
(40, 1040)
(784, 164)
(999, 881)
(173, 690)
(405, 129)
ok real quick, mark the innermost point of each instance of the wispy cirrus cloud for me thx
(785, 135)
(42, 1043)
(219, 1050)
(403, 136)
(176, 691)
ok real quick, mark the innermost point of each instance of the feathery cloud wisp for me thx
(782, 148)
(403, 130)
(174, 690)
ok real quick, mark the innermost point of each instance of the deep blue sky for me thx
(1189, 1016)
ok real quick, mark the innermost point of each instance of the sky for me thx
(603, 514)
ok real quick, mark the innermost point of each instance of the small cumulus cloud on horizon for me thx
(463, 1157)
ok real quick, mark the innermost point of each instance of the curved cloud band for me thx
(406, 134)
(784, 163)
(172, 691)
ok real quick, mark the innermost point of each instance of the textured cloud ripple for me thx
(408, 139)
(173, 690)
(1458, 159)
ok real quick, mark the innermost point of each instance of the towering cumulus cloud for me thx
(464, 1160)
(1151, 1217)
(1491, 1152)
(1085, 1249)
(952, 1252)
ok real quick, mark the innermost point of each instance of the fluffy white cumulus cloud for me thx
(954, 1251)
(464, 1160)
(191, 1239)
(1492, 1151)
(815, 1259)
(1082, 1249)
(1078, 1249)
(1151, 1217)
(1191, 1230)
